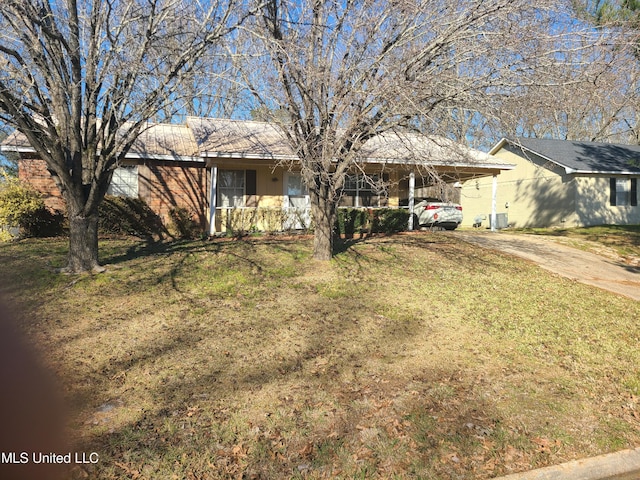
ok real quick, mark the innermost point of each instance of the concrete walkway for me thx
(569, 262)
(623, 465)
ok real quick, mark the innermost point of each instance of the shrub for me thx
(239, 222)
(352, 220)
(272, 219)
(43, 223)
(391, 220)
(21, 206)
(183, 225)
(380, 220)
(129, 216)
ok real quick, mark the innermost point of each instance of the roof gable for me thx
(582, 157)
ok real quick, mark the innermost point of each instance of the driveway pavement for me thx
(585, 267)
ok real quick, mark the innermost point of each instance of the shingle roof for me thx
(585, 157)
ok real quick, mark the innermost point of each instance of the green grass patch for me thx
(412, 356)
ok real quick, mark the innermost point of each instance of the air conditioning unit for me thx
(502, 221)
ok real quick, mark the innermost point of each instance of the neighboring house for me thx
(243, 174)
(558, 183)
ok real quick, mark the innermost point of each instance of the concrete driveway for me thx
(585, 267)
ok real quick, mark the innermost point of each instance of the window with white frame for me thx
(124, 182)
(231, 188)
(363, 191)
(623, 191)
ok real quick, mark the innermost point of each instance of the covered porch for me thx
(251, 197)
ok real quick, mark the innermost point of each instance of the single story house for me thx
(228, 173)
(559, 183)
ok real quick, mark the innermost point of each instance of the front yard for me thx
(411, 356)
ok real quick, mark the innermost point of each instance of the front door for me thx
(296, 202)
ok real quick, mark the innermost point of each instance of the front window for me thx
(623, 191)
(231, 188)
(363, 191)
(124, 182)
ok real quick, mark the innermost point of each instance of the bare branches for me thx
(82, 78)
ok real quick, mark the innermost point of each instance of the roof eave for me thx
(602, 172)
(498, 146)
(178, 158)
(16, 149)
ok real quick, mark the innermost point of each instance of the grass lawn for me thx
(412, 356)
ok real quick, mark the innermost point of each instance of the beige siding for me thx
(269, 186)
(537, 193)
(594, 204)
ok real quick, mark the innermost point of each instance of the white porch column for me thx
(213, 195)
(412, 188)
(494, 196)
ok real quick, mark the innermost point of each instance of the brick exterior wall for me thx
(34, 171)
(175, 184)
(162, 185)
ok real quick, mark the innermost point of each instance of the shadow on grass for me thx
(266, 389)
(319, 407)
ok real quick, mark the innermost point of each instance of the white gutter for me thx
(373, 160)
(248, 156)
(179, 158)
(9, 148)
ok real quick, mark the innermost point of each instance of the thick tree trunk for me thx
(83, 243)
(324, 215)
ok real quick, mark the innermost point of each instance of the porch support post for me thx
(494, 196)
(412, 188)
(212, 199)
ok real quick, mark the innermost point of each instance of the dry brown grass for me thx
(413, 356)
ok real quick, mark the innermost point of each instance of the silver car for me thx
(431, 212)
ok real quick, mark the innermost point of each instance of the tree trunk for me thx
(324, 215)
(83, 243)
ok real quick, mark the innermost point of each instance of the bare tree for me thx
(593, 97)
(347, 72)
(82, 78)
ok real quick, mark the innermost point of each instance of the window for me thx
(623, 191)
(124, 182)
(237, 188)
(361, 191)
(231, 188)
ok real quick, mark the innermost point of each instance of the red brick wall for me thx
(161, 185)
(175, 184)
(35, 172)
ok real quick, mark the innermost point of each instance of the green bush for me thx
(391, 220)
(43, 223)
(129, 216)
(21, 206)
(352, 221)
